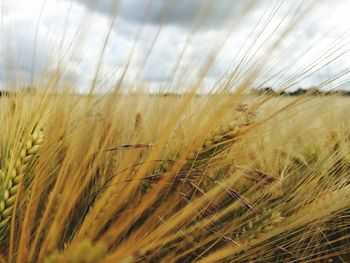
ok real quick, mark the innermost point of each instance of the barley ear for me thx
(84, 251)
(12, 177)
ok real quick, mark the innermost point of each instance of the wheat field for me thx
(134, 176)
(83, 181)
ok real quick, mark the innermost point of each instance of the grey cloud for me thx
(182, 13)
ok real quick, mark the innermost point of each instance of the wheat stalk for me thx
(12, 176)
(219, 141)
(85, 251)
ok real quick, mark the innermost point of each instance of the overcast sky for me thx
(277, 43)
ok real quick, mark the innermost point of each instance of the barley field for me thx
(178, 169)
(255, 178)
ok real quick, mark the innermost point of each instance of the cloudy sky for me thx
(165, 44)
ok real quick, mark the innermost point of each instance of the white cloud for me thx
(82, 32)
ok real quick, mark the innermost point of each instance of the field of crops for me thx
(138, 178)
(174, 131)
